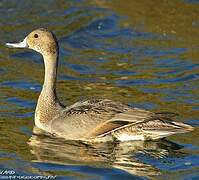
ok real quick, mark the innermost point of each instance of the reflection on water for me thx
(121, 155)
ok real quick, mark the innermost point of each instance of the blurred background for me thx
(144, 53)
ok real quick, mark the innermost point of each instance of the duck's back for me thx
(80, 119)
(103, 119)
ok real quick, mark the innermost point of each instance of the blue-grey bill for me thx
(22, 44)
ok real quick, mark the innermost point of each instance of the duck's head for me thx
(40, 40)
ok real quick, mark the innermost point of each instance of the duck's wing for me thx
(109, 116)
(122, 117)
(151, 126)
(119, 120)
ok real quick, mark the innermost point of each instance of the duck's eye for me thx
(36, 36)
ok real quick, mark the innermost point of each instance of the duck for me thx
(93, 120)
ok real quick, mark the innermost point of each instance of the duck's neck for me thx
(49, 86)
(48, 105)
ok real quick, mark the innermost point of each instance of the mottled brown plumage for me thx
(91, 120)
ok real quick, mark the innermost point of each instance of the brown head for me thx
(40, 40)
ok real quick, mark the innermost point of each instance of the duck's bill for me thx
(22, 44)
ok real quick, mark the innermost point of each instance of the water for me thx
(144, 53)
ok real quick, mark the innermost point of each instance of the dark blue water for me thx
(141, 53)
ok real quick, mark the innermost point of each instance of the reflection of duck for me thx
(91, 120)
(120, 155)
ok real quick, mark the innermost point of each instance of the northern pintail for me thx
(90, 120)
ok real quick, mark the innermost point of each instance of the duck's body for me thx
(104, 120)
(91, 120)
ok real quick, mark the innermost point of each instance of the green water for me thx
(144, 53)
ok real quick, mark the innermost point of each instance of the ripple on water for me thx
(25, 85)
(21, 102)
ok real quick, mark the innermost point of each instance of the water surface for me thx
(144, 53)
